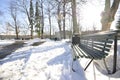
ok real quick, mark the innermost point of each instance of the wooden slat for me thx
(101, 48)
(103, 44)
(92, 52)
(78, 53)
(79, 49)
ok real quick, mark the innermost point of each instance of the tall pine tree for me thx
(31, 12)
(37, 20)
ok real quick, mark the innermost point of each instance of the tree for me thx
(37, 20)
(42, 17)
(9, 28)
(14, 13)
(49, 12)
(109, 13)
(31, 12)
(59, 16)
(75, 27)
(24, 7)
(49, 17)
(64, 14)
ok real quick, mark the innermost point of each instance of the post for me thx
(115, 54)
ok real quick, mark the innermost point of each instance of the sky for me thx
(4, 9)
(4, 4)
(91, 16)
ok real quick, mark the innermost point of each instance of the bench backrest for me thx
(99, 43)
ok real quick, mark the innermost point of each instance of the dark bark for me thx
(42, 30)
(59, 18)
(31, 18)
(49, 22)
(64, 14)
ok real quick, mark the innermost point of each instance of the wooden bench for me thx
(95, 46)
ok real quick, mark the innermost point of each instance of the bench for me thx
(95, 46)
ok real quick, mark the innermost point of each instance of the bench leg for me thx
(88, 64)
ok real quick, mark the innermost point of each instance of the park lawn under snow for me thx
(48, 61)
(51, 60)
(6, 42)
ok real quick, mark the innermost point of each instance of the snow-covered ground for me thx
(51, 60)
(6, 42)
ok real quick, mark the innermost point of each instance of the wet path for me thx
(7, 50)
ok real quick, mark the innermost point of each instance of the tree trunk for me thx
(109, 14)
(64, 14)
(31, 35)
(49, 22)
(59, 19)
(16, 30)
(75, 27)
(42, 19)
(31, 12)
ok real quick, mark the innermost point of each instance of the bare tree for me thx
(14, 14)
(41, 2)
(109, 13)
(59, 15)
(37, 20)
(31, 13)
(8, 28)
(49, 11)
(24, 6)
(64, 14)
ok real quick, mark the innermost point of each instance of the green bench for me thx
(95, 46)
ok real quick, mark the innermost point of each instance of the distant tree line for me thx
(36, 11)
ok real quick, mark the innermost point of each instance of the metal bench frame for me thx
(85, 46)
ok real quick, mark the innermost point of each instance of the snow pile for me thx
(48, 61)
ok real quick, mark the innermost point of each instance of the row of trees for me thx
(37, 10)
(35, 19)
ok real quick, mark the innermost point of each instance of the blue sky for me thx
(4, 5)
(4, 8)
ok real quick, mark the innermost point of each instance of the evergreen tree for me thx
(31, 18)
(37, 20)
